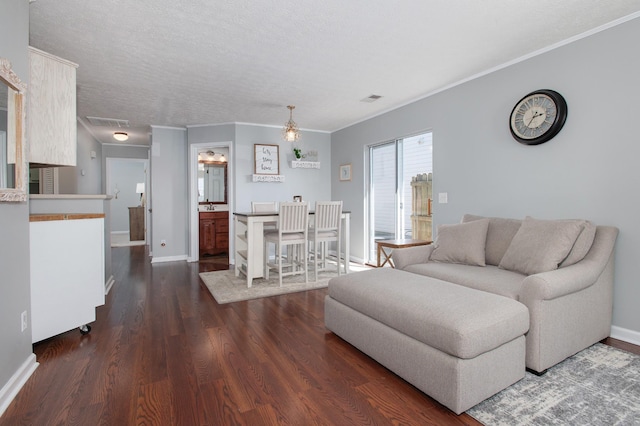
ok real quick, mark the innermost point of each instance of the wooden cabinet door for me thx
(214, 233)
(207, 236)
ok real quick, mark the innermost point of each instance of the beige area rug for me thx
(225, 287)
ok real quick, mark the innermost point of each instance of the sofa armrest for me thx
(404, 257)
(560, 282)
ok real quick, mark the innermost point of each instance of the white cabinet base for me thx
(67, 274)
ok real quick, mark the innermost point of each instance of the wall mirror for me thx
(212, 182)
(13, 167)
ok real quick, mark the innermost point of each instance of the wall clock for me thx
(538, 117)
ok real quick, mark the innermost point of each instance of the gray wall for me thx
(168, 198)
(587, 171)
(15, 346)
(312, 184)
(126, 174)
(119, 151)
(86, 177)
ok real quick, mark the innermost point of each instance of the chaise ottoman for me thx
(456, 344)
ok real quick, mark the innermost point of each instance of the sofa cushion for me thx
(499, 235)
(461, 243)
(582, 245)
(540, 245)
(460, 321)
(489, 278)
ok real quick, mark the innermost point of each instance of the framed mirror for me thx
(13, 166)
(212, 182)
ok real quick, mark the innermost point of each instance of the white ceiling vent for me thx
(371, 98)
(108, 122)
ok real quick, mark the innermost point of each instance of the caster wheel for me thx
(85, 329)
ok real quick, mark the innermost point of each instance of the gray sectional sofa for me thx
(462, 317)
(562, 271)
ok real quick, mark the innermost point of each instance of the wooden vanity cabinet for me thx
(214, 232)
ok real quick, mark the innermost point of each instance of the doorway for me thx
(194, 191)
(125, 179)
(392, 165)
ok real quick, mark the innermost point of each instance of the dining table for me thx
(249, 242)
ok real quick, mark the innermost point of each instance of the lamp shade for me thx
(140, 188)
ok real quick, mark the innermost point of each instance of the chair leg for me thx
(314, 252)
(265, 272)
(339, 255)
(306, 264)
(280, 268)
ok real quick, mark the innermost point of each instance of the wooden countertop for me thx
(64, 216)
(70, 197)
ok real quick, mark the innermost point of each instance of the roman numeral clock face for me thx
(538, 117)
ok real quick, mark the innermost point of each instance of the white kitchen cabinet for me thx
(51, 110)
(67, 272)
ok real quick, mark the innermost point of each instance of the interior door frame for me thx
(109, 161)
(194, 220)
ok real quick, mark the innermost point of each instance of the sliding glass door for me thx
(391, 167)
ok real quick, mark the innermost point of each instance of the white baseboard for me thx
(16, 382)
(107, 286)
(169, 259)
(629, 336)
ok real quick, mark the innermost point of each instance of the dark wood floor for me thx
(163, 352)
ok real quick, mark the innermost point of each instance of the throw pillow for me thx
(540, 245)
(461, 243)
(582, 245)
(499, 235)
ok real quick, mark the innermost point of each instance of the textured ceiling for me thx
(186, 62)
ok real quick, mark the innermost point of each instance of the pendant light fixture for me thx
(291, 132)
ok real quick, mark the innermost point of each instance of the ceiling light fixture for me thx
(120, 136)
(291, 132)
(212, 156)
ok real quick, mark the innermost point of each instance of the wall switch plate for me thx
(443, 198)
(23, 320)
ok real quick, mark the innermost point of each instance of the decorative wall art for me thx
(345, 172)
(267, 159)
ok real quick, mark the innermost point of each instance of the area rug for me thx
(225, 287)
(598, 386)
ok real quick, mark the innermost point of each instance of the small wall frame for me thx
(345, 172)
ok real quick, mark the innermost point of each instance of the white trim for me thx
(629, 336)
(169, 259)
(125, 145)
(241, 123)
(523, 58)
(16, 382)
(154, 126)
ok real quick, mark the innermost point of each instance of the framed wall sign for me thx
(345, 171)
(267, 159)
